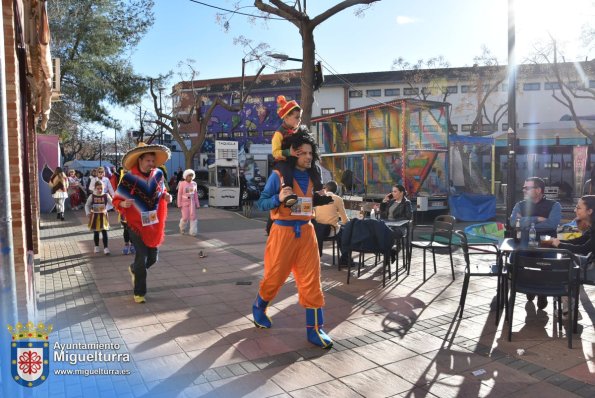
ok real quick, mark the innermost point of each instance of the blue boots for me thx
(314, 323)
(259, 313)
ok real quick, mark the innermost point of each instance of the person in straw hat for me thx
(142, 199)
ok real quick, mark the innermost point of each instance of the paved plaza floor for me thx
(195, 337)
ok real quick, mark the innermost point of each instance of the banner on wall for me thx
(580, 154)
(48, 158)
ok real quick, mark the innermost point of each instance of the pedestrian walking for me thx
(188, 202)
(59, 184)
(142, 199)
(96, 210)
(292, 246)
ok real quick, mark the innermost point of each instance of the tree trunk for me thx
(473, 180)
(307, 74)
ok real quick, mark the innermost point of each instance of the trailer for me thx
(224, 176)
(369, 149)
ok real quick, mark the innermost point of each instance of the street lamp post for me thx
(284, 57)
(511, 111)
(116, 144)
(100, 147)
(160, 110)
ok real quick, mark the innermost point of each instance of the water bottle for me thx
(532, 236)
(517, 231)
(373, 213)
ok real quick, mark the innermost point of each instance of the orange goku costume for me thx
(292, 247)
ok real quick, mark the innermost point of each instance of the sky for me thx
(345, 43)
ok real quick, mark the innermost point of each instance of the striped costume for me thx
(147, 192)
(97, 206)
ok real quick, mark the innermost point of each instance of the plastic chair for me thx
(441, 238)
(544, 272)
(479, 269)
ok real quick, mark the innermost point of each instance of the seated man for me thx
(544, 213)
(328, 215)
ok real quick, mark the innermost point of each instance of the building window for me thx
(268, 133)
(327, 111)
(551, 86)
(238, 134)
(466, 127)
(223, 135)
(411, 91)
(253, 133)
(269, 98)
(531, 86)
(355, 94)
(210, 136)
(454, 128)
(530, 124)
(426, 91)
(452, 89)
(504, 126)
(591, 83)
(488, 128)
(373, 93)
(392, 92)
(573, 84)
(504, 87)
(465, 88)
(236, 101)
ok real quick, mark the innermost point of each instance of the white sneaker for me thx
(106, 251)
(96, 249)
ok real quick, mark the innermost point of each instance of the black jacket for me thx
(402, 211)
(369, 235)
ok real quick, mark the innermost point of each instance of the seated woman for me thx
(585, 244)
(395, 207)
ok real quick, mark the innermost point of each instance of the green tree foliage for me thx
(93, 39)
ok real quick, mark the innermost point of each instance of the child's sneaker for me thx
(132, 250)
(126, 250)
(97, 250)
(106, 251)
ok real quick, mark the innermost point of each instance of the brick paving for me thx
(194, 336)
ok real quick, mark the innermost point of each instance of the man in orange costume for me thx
(292, 245)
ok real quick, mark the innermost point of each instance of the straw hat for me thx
(130, 159)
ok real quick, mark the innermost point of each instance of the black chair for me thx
(332, 237)
(480, 268)
(401, 245)
(368, 236)
(544, 272)
(586, 277)
(440, 239)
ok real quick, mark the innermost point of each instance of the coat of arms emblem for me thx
(30, 358)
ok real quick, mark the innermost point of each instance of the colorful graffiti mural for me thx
(254, 124)
(48, 158)
(401, 142)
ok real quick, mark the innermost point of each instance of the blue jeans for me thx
(143, 259)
